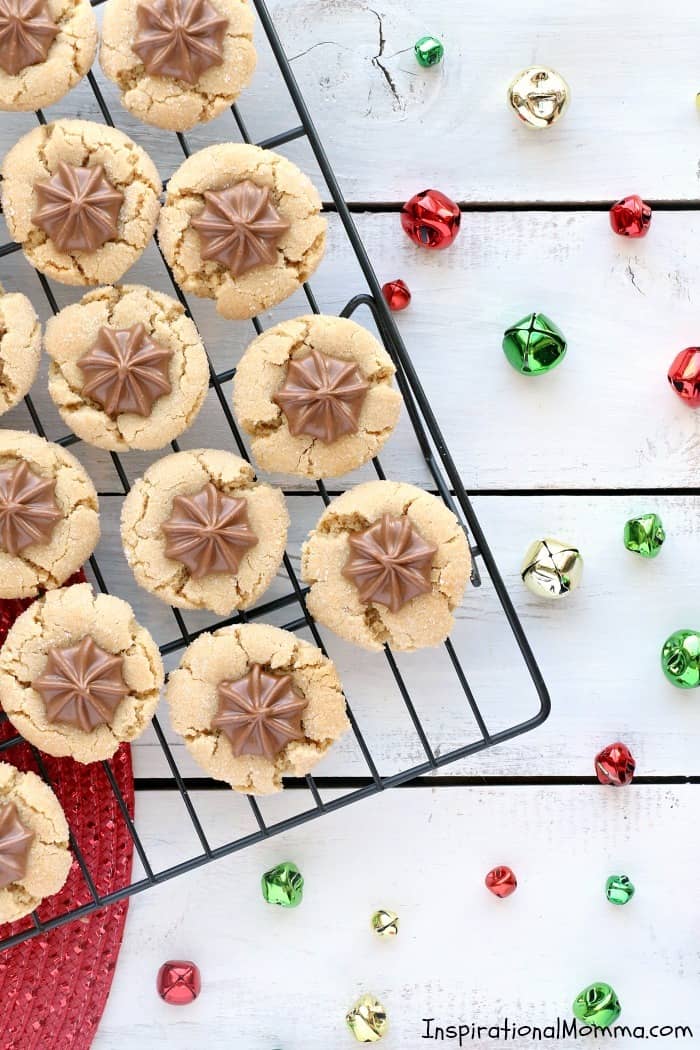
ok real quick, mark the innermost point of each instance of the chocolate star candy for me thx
(126, 371)
(82, 685)
(260, 713)
(322, 397)
(208, 532)
(27, 31)
(179, 38)
(28, 508)
(78, 208)
(390, 562)
(240, 227)
(15, 843)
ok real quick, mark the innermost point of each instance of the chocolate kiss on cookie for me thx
(28, 508)
(27, 31)
(78, 208)
(260, 713)
(322, 397)
(179, 38)
(82, 685)
(208, 532)
(126, 371)
(240, 227)
(15, 843)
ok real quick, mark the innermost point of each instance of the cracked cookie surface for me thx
(72, 333)
(335, 601)
(262, 371)
(20, 347)
(299, 250)
(69, 57)
(50, 859)
(63, 618)
(43, 566)
(165, 101)
(149, 505)
(229, 653)
(82, 143)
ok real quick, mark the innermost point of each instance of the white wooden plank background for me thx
(599, 652)
(285, 979)
(632, 125)
(626, 308)
(571, 455)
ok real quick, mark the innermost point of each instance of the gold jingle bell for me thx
(385, 923)
(551, 568)
(539, 96)
(367, 1020)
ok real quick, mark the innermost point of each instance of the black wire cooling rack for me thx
(447, 483)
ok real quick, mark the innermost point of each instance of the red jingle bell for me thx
(501, 881)
(615, 765)
(631, 217)
(431, 219)
(684, 375)
(397, 295)
(179, 982)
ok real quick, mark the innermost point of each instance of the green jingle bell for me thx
(551, 568)
(429, 51)
(619, 889)
(597, 1005)
(644, 535)
(680, 659)
(283, 885)
(367, 1020)
(534, 345)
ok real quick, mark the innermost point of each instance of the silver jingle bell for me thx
(551, 568)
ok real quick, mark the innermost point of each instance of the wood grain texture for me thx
(606, 418)
(598, 649)
(390, 127)
(274, 978)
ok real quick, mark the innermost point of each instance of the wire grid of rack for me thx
(447, 482)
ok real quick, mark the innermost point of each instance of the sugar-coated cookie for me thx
(79, 675)
(47, 47)
(20, 347)
(255, 703)
(128, 368)
(35, 857)
(82, 199)
(49, 515)
(316, 396)
(199, 532)
(387, 564)
(178, 62)
(243, 226)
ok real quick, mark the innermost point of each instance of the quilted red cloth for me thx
(53, 988)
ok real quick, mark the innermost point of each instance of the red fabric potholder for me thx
(53, 988)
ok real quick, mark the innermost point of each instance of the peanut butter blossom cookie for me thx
(82, 199)
(316, 396)
(20, 347)
(34, 853)
(178, 62)
(128, 368)
(200, 533)
(388, 565)
(241, 225)
(46, 47)
(255, 703)
(49, 520)
(78, 674)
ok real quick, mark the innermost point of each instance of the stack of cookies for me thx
(386, 564)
